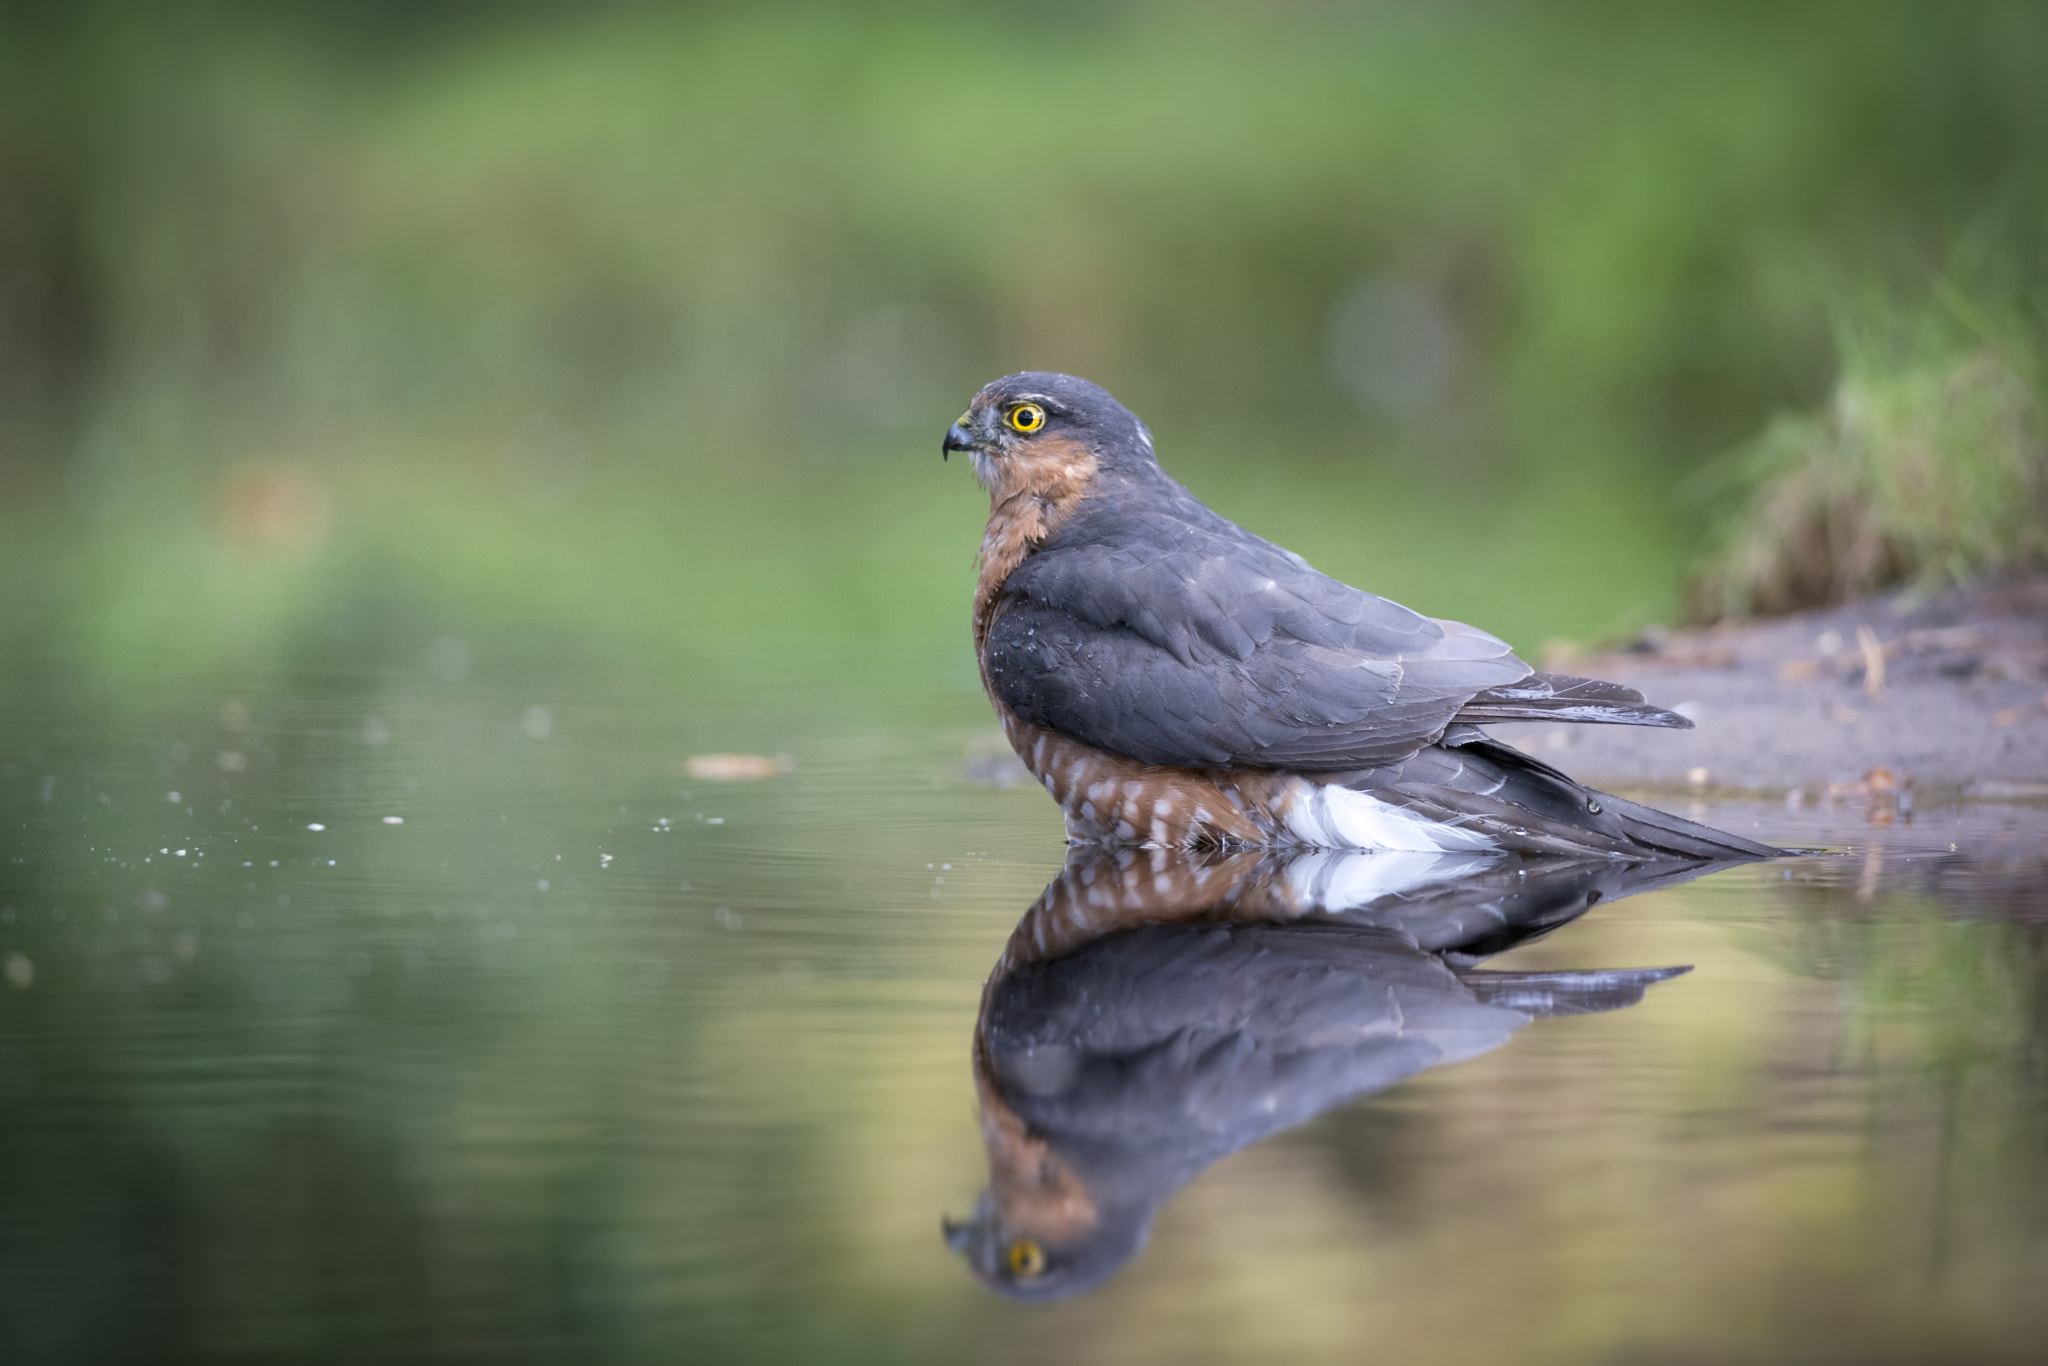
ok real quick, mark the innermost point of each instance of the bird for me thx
(1176, 681)
(1157, 1010)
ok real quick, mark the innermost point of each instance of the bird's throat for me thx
(1032, 492)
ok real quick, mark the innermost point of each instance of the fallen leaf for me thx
(736, 768)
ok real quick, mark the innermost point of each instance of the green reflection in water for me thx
(707, 1089)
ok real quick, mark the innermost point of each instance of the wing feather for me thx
(1167, 634)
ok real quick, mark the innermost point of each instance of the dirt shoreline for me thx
(1948, 696)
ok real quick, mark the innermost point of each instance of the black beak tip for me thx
(957, 439)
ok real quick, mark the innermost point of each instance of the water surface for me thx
(457, 1018)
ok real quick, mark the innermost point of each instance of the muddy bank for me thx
(1949, 695)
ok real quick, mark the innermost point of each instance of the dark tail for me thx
(1562, 697)
(1544, 994)
(1523, 804)
(1666, 833)
(1648, 830)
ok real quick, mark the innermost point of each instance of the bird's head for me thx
(1016, 1257)
(1040, 1231)
(1026, 429)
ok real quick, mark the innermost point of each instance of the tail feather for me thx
(1563, 697)
(1547, 994)
(1476, 782)
(1660, 830)
(1644, 828)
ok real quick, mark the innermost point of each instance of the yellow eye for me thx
(1025, 1257)
(1027, 417)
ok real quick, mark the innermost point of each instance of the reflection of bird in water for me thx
(1153, 1013)
(1175, 680)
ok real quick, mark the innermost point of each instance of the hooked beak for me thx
(970, 1237)
(958, 438)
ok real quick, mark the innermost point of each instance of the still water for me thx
(435, 1021)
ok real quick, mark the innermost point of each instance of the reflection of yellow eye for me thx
(1027, 417)
(1026, 1258)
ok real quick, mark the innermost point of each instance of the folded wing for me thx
(1217, 648)
(1153, 628)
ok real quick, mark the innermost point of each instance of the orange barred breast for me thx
(1109, 799)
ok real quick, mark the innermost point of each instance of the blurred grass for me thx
(625, 334)
(1928, 466)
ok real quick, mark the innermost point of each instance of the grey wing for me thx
(1179, 1043)
(1228, 652)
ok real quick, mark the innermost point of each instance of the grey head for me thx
(1012, 1257)
(1037, 410)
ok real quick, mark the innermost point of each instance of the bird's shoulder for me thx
(1157, 561)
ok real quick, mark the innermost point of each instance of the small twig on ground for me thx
(1873, 661)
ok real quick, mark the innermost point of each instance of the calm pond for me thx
(423, 1014)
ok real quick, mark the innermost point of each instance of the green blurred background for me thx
(464, 412)
(627, 332)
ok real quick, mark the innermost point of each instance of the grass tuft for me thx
(1928, 465)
